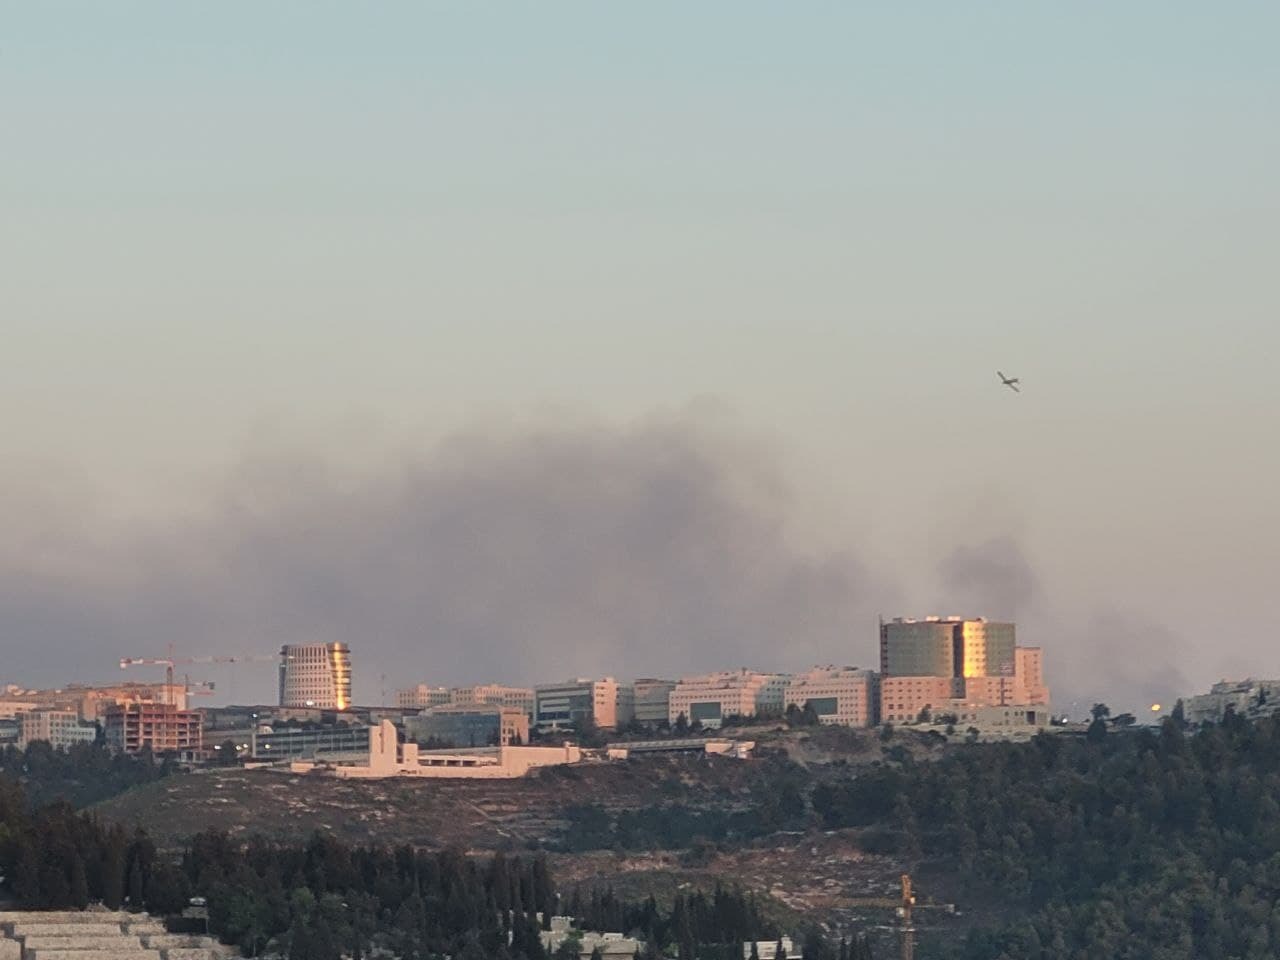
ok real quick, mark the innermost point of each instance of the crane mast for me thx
(906, 931)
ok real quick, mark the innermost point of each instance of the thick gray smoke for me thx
(993, 579)
(1120, 658)
(656, 549)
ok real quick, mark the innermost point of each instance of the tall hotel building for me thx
(315, 675)
(948, 662)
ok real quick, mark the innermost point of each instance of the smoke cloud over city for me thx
(657, 548)
(652, 549)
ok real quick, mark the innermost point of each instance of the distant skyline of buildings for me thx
(928, 667)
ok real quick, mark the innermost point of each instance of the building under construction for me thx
(162, 727)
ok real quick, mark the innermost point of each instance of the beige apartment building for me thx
(422, 696)
(162, 727)
(59, 728)
(839, 695)
(494, 695)
(89, 703)
(709, 698)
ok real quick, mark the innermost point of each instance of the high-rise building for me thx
(947, 664)
(947, 647)
(839, 695)
(605, 703)
(315, 675)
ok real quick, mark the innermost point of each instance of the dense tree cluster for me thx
(325, 899)
(54, 857)
(1139, 845)
(709, 927)
(81, 775)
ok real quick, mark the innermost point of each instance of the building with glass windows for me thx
(606, 703)
(710, 698)
(839, 695)
(315, 675)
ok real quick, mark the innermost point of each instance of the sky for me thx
(520, 341)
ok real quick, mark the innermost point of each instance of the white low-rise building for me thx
(388, 758)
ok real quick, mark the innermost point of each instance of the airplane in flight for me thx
(1010, 382)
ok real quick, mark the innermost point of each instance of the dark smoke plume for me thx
(656, 549)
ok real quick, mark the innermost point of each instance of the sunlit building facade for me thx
(951, 665)
(315, 675)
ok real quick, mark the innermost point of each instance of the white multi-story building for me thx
(422, 696)
(315, 675)
(839, 695)
(606, 703)
(709, 698)
(1246, 698)
(59, 728)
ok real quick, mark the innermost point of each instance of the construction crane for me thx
(171, 661)
(906, 931)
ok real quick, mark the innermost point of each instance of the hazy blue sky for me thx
(299, 233)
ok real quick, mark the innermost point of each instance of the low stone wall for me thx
(66, 916)
(115, 943)
(137, 953)
(101, 930)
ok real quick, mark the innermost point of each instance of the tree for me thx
(925, 715)
(1099, 711)
(681, 725)
(1097, 732)
(136, 898)
(113, 870)
(79, 882)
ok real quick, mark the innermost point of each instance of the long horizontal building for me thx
(846, 696)
(309, 740)
(710, 698)
(424, 697)
(469, 725)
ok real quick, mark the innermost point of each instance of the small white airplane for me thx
(1010, 382)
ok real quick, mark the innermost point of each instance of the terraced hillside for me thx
(475, 814)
